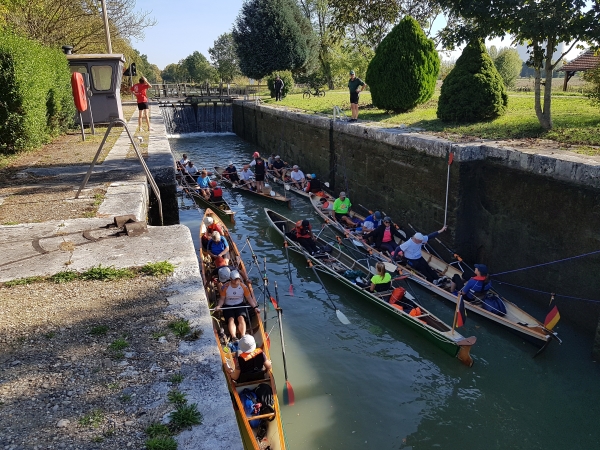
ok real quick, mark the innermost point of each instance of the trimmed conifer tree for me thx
(404, 70)
(473, 90)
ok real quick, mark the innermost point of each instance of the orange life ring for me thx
(79, 95)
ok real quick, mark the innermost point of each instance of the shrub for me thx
(509, 64)
(288, 82)
(36, 102)
(403, 72)
(473, 90)
(593, 77)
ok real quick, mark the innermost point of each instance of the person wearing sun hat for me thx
(411, 251)
(252, 363)
(356, 86)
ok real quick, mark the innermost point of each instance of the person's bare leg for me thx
(147, 116)
(231, 327)
(242, 326)
(140, 112)
(354, 107)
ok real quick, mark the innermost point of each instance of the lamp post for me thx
(106, 29)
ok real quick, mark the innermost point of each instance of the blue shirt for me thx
(475, 286)
(204, 183)
(371, 218)
(217, 247)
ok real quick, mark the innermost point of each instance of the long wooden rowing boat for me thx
(336, 263)
(276, 198)
(220, 206)
(252, 437)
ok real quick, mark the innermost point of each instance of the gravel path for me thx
(61, 384)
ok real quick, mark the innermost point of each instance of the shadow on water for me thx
(374, 384)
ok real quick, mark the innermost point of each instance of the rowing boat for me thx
(336, 263)
(253, 438)
(276, 198)
(220, 206)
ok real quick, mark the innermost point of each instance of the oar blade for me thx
(291, 290)
(268, 340)
(288, 394)
(342, 317)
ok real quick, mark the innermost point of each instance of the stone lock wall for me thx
(507, 208)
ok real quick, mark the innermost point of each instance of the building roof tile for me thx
(587, 60)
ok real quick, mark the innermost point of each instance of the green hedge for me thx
(288, 82)
(36, 102)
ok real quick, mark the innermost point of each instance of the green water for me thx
(375, 385)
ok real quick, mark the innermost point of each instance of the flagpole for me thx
(456, 312)
(450, 158)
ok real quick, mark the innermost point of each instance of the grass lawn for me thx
(576, 121)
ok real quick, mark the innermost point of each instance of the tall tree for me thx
(541, 24)
(272, 35)
(509, 63)
(224, 57)
(172, 73)
(198, 68)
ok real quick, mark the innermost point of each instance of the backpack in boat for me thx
(251, 405)
(493, 304)
(353, 274)
(264, 394)
(327, 248)
(217, 193)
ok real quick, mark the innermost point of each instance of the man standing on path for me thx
(356, 86)
(278, 88)
(142, 101)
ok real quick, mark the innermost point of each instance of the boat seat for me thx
(250, 383)
(422, 315)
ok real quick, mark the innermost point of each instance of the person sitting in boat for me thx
(192, 171)
(411, 250)
(340, 210)
(371, 222)
(230, 173)
(218, 246)
(246, 177)
(231, 300)
(382, 280)
(252, 363)
(180, 172)
(278, 167)
(211, 227)
(457, 282)
(305, 236)
(383, 236)
(184, 160)
(259, 171)
(204, 184)
(297, 178)
(478, 286)
(313, 184)
(222, 271)
(271, 160)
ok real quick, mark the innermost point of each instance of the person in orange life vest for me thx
(251, 361)
(477, 286)
(211, 227)
(305, 236)
(383, 235)
(139, 90)
(259, 171)
(231, 299)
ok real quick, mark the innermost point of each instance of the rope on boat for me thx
(549, 293)
(546, 264)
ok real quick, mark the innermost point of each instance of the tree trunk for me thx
(537, 67)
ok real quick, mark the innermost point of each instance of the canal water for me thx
(374, 384)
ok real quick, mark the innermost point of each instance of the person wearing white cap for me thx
(411, 250)
(218, 246)
(231, 297)
(230, 173)
(246, 176)
(252, 363)
(211, 227)
(297, 176)
(278, 167)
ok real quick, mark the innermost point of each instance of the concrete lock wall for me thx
(507, 208)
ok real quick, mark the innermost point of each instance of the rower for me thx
(259, 171)
(278, 167)
(204, 184)
(341, 208)
(371, 222)
(230, 173)
(246, 176)
(478, 286)
(218, 246)
(184, 160)
(382, 280)
(231, 298)
(252, 363)
(383, 236)
(297, 177)
(192, 171)
(211, 226)
(305, 236)
(411, 250)
(313, 184)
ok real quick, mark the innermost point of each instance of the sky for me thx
(184, 26)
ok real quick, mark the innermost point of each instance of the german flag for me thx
(552, 318)
(461, 314)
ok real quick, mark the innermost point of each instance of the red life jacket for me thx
(397, 295)
(302, 232)
(217, 192)
(249, 356)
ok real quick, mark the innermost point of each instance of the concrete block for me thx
(119, 221)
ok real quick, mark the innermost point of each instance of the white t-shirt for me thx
(184, 161)
(246, 175)
(192, 170)
(297, 176)
(411, 249)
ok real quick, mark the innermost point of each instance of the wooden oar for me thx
(340, 315)
(287, 256)
(288, 391)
